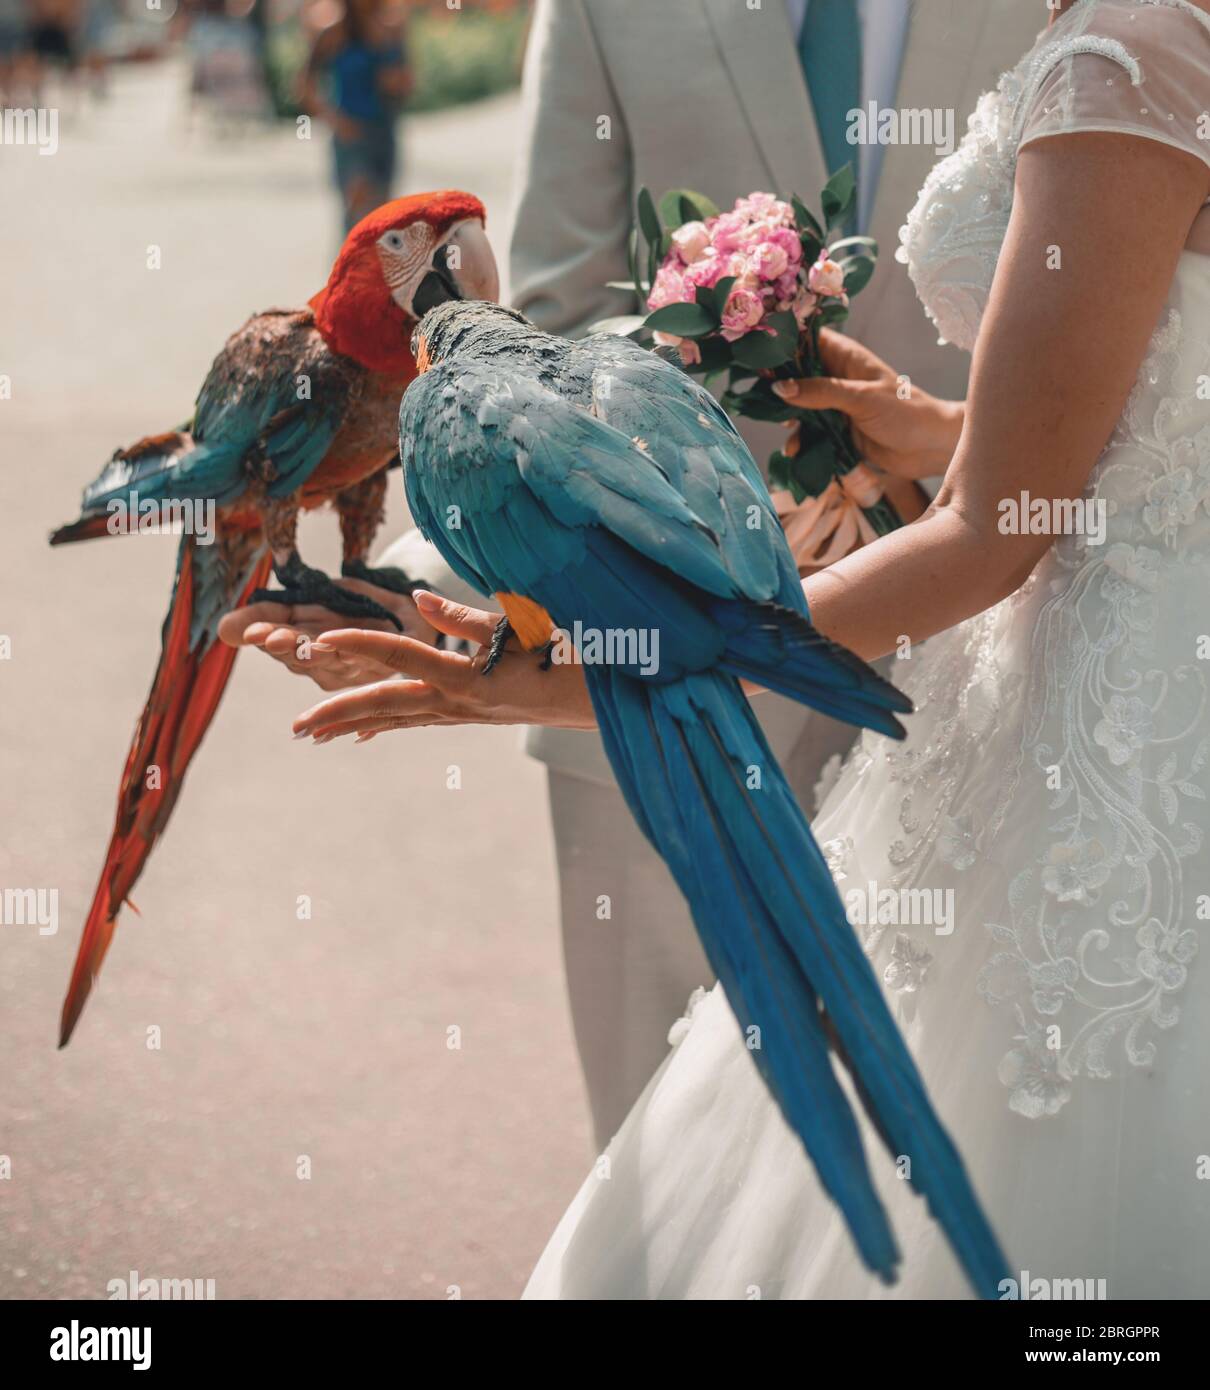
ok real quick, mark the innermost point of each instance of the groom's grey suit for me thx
(710, 95)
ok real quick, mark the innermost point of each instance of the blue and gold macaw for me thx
(595, 483)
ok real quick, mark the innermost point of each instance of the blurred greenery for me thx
(285, 54)
(464, 56)
(456, 56)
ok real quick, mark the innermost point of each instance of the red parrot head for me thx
(396, 263)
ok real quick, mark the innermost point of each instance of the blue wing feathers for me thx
(248, 412)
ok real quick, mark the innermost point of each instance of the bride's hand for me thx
(287, 633)
(443, 687)
(908, 438)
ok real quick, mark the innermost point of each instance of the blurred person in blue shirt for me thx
(356, 79)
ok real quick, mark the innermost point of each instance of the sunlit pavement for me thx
(287, 1044)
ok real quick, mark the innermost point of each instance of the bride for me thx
(1053, 788)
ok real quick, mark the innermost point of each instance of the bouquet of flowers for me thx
(743, 294)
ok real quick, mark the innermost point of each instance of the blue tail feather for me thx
(774, 928)
(782, 650)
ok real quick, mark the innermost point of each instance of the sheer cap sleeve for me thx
(1134, 67)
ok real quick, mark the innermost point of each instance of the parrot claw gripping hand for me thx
(300, 408)
(593, 487)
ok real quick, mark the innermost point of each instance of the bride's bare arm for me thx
(1098, 225)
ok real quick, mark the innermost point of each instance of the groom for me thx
(726, 97)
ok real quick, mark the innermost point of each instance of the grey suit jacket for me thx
(710, 95)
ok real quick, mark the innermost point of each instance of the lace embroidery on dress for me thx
(952, 238)
(1095, 945)
(1049, 58)
(1095, 942)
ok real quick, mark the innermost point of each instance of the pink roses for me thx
(826, 277)
(742, 312)
(757, 245)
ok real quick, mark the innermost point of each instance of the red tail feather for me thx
(86, 529)
(184, 696)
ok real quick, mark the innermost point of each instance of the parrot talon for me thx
(504, 630)
(384, 576)
(302, 584)
(388, 577)
(548, 656)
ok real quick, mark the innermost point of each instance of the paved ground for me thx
(326, 1038)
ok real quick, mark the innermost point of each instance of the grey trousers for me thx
(631, 952)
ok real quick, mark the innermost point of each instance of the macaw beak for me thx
(463, 267)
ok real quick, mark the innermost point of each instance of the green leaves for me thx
(860, 262)
(839, 197)
(781, 476)
(716, 355)
(758, 350)
(763, 350)
(649, 225)
(857, 273)
(832, 312)
(714, 297)
(681, 205)
(649, 219)
(811, 234)
(685, 320)
(632, 263)
(785, 325)
(805, 219)
(758, 403)
(808, 473)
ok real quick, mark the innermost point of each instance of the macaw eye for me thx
(394, 240)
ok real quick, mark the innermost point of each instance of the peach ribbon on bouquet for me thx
(822, 529)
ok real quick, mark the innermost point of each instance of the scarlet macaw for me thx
(297, 410)
(594, 484)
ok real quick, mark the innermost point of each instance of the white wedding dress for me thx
(1055, 778)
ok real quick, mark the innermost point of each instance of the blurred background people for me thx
(12, 47)
(227, 69)
(50, 46)
(356, 80)
(96, 27)
(52, 29)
